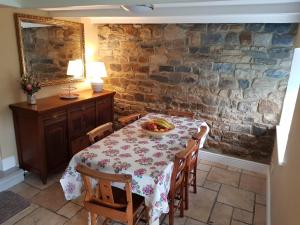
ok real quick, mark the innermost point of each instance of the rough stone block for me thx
(267, 106)
(224, 67)
(256, 27)
(262, 39)
(115, 67)
(282, 39)
(166, 68)
(276, 73)
(281, 28)
(240, 128)
(265, 61)
(159, 78)
(232, 38)
(245, 38)
(228, 84)
(244, 84)
(245, 73)
(247, 106)
(184, 69)
(263, 83)
(212, 38)
(271, 118)
(173, 32)
(199, 50)
(256, 54)
(279, 52)
(259, 130)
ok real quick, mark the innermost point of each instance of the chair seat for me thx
(120, 197)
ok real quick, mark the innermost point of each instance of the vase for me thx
(31, 99)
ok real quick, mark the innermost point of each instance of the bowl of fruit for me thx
(157, 127)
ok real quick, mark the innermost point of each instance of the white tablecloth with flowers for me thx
(131, 151)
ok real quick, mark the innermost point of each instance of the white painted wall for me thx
(285, 179)
(10, 91)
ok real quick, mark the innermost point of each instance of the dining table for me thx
(148, 159)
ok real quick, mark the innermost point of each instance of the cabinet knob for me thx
(54, 116)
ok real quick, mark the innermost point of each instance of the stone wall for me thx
(49, 49)
(234, 76)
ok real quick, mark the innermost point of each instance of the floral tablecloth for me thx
(130, 151)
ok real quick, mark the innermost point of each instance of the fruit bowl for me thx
(157, 127)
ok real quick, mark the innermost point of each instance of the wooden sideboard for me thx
(49, 133)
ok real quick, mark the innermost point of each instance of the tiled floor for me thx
(225, 196)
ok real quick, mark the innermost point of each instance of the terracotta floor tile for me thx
(236, 197)
(203, 167)
(224, 176)
(234, 222)
(232, 168)
(201, 204)
(51, 198)
(261, 199)
(215, 164)
(193, 222)
(253, 183)
(25, 190)
(42, 216)
(259, 215)
(252, 173)
(242, 215)
(201, 176)
(212, 185)
(177, 220)
(69, 210)
(35, 181)
(20, 215)
(221, 214)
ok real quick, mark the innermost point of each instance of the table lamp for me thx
(75, 69)
(95, 71)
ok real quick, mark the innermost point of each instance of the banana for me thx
(163, 123)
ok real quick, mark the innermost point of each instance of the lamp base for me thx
(97, 86)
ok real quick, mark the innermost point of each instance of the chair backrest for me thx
(100, 200)
(198, 136)
(181, 158)
(125, 120)
(172, 112)
(100, 132)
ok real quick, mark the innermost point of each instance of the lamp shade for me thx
(75, 68)
(96, 70)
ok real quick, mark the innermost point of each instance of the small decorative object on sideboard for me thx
(95, 72)
(30, 86)
(75, 70)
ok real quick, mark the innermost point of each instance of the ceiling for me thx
(170, 11)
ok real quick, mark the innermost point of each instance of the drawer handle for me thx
(54, 116)
(82, 108)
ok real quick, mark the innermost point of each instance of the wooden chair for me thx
(187, 114)
(100, 132)
(110, 202)
(125, 120)
(191, 166)
(177, 182)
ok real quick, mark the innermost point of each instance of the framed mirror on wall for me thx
(46, 46)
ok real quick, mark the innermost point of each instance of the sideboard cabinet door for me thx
(56, 143)
(104, 111)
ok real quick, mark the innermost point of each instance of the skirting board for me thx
(235, 162)
(7, 163)
(11, 178)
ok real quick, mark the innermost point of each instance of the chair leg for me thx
(186, 197)
(195, 180)
(94, 218)
(182, 200)
(171, 212)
